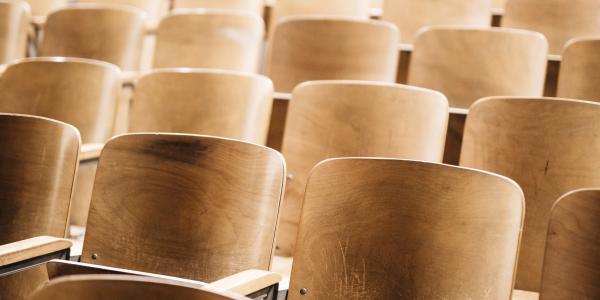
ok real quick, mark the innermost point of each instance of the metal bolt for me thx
(94, 255)
(303, 291)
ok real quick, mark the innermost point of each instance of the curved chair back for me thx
(41, 8)
(578, 77)
(14, 25)
(154, 9)
(360, 9)
(251, 6)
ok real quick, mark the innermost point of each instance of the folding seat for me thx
(250, 6)
(210, 39)
(353, 118)
(14, 25)
(549, 146)
(360, 9)
(571, 262)
(201, 101)
(579, 77)
(111, 33)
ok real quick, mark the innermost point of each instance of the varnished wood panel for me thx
(344, 118)
(251, 6)
(20, 285)
(210, 102)
(396, 229)
(467, 64)
(549, 146)
(14, 25)
(189, 206)
(579, 75)
(321, 48)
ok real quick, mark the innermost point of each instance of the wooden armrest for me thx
(524, 295)
(247, 282)
(405, 47)
(31, 248)
(458, 111)
(282, 96)
(128, 78)
(38, 21)
(554, 57)
(497, 11)
(90, 151)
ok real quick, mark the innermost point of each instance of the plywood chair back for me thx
(579, 77)
(212, 102)
(79, 92)
(317, 48)
(251, 6)
(571, 261)
(14, 26)
(154, 9)
(107, 287)
(352, 118)
(38, 161)
(210, 39)
(391, 229)
(558, 20)
(548, 146)
(111, 33)
(412, 15)
(189, 206)
(467, 64)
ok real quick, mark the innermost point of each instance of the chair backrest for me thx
(467, 64)
(154, 9)
(558, 20)
(107, 287)
(80, 92)
(251, 6)
(41, 8)
(348, 118)
(342, 8)
(395, 229)
(579, 77)
(315, 48)
(188, 206)
(111, 33)
(549, 146)
(14, 25)
(210, 39)
(412, 15)
(210, 102)
(572, 258)
(38, 161)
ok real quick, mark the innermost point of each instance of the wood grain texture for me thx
(572, 258)
(111, 33)
(189, 206)
(79, 92)
(549, 146)
(14, 25)
(579, 77)
(210, 39)
(558, 20)
(38, 161)
(31, 248)
(327, 48)
(107, 287)
(251, 6)
(412, 15)
(210, 102)
(467, 64)
(397, 229)
(351, 118)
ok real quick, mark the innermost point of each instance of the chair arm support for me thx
(247, 282)
(128, 78)
(90, 151)
(282, 96)
(31, 248)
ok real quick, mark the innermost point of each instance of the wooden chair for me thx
(107, 287)
(548, 146)
(558, 20)
(14, 26)
(111, 33)
(210, 39)
(389, 229)
(41, 8)
(467, 64)
(154, 9)
(250, 6)
(203, 102)
(349, 118)
(314, 48)
(571, 262)
(579, 76)
(412, 15)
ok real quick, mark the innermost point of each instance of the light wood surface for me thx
(189, 206)
(392, 229)
(412, 15)
(349, 118)
(558, 20)
(90, 151)
(210, 39)
(154, 9)
(548, 146)
(572, 259)
(466, 64)
(579, 77)
(315, 48)
(79, 92)
(31, 248)
(210, 102)
(499, 3)
(247, 282)
(107, 287)
(41, 8)
(111, 33)
(14, 26)
(251, 6)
